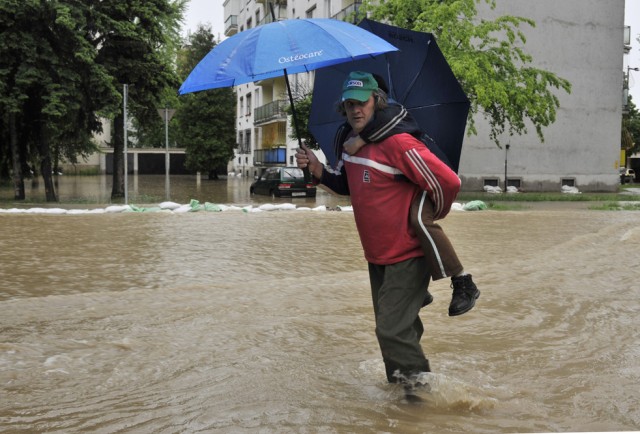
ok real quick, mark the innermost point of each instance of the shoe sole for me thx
(473, 303)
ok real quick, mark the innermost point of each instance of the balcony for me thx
(273, 111)
(270, 157)
(231, 25)
(350, 13)
(280, 10)
(275, 2)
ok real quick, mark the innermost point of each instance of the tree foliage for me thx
(50, 86)
(631, 129)
(206, 120)
(302, 99)
(135, 42)
(63, 64)
(487, 57)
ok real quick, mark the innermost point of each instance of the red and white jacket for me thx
(383, 179)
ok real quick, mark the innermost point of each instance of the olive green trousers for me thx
(397, 292)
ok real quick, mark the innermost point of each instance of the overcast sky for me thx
(632, 18)
(212, 12)
(206, 11)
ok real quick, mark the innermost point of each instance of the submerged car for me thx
(627, 176)
(283, 182)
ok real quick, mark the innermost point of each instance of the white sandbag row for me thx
(196, 206)
(173, 207)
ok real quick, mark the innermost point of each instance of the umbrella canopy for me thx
(417, 76)
(282, 47)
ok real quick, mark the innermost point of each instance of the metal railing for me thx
(351, 12)
(280, 10)
(273, 156)
(274, 110)
(231, 25)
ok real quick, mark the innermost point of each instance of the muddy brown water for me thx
(262, 322)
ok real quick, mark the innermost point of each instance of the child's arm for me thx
(353, 145)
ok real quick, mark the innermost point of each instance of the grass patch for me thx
(547, 197)
(502, 206)
(616, 206)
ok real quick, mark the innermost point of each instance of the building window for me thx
(241, 107)
(248, 104)
(514, 182)
(311, 11)
(569, 182)
(491, 182)
(247, 141)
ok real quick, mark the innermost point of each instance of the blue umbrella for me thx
(281, 48)
(418, 77)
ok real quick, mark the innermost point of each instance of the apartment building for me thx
(583, 42)
(579, 40)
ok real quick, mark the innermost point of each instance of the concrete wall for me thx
(581, 41)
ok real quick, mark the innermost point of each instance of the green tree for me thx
(302, 99)
(488, 59)
(135, 42)
(631, 129)
(50, 87)
(205, 120)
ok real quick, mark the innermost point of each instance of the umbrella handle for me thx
(307, 174)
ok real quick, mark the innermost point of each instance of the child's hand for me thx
(353, 145)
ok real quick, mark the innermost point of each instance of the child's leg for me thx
(438, 251)
(441, 257)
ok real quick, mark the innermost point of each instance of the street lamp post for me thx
(125, 96)
(626, 87)
(506, 153)
(630, 69)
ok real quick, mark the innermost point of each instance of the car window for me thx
(292, 173)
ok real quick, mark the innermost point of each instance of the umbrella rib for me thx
(415, 78)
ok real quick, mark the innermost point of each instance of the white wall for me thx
(581, 41)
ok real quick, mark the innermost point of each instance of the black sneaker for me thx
(428, 298)
(464, 296)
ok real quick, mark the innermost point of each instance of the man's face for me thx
(359, 113)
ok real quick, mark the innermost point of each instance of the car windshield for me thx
(292, 174)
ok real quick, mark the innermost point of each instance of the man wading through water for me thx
(384, 180)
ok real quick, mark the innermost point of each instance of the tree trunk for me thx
(45, 167)
(117, 140)
(18, 179)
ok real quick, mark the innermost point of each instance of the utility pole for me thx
(166, 114)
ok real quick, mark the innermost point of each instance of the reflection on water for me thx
(150, 189)
(261, 322)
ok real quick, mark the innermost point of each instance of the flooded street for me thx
(92, 191)
(225, 322)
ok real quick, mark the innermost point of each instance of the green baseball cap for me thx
(359, 86)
